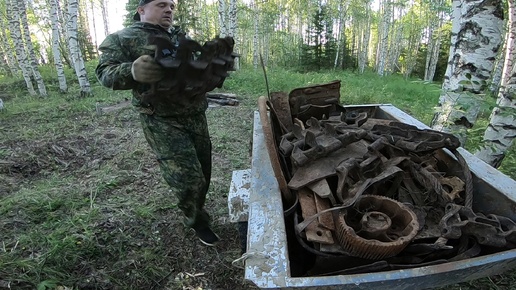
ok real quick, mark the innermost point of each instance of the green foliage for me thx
(442, 62)
(130, 7)
(320, 49)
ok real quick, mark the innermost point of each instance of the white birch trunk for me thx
(93, 21)
(429, 50)
(433, 44)
(339, 33)
(395, 50)
(384, 37)
(105, 21)
(16, 36)
(75, 52)
(233, 28)
(432, 66)
(494, 87)
(30, 49)
(510, 45)
(501, 130)
(255, 36)
(413, 44)
(365, 42)
(476, 38)
(63, 87)
(8, 52)
(63, 33)
(223, 24)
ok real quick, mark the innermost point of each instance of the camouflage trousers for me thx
(183, 148)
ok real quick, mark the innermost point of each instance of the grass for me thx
(83, 204)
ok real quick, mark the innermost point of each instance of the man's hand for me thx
(146, 70)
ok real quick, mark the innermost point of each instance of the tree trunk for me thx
(434, 41)
(255, 36)
(365, 42)
(55, 47)
(501, 130)
(494, 87)
(75, 52)
(103, 5)
(223, 23)
(340, 35)
(233, 28)
(30, 48)
(16, 35)
(8, 52)
(384, 37)
(436, 48)
(413, 42)
(476, 38)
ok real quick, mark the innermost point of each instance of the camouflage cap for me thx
(141, 3)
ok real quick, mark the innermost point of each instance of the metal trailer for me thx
(255, 200)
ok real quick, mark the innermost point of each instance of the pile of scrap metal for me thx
(375, 193)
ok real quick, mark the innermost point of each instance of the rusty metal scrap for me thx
(190, 68)
(384, 183)
(490, 230)
(376, 227)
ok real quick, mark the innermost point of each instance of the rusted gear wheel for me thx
(376, 227)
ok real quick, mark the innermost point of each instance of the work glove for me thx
(146, 70)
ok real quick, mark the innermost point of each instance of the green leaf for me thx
(47, 284)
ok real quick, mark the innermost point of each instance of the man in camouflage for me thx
(176, 130)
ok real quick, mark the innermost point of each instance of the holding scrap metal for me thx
(169, 75)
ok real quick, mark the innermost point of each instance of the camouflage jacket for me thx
(120, 49)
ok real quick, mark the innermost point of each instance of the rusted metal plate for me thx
(238, 197)
(325, 219)
(315, 232)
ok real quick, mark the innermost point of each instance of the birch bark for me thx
(476, 39)
(31, 52)
(14, 26)
(63, 87)
(75, 52)
(223, 24)
(8, 53)
(500, 132)
(384, 37)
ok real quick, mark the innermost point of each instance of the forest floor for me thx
(83, 204)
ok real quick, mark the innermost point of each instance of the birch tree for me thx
(63, 87)
(27, 41)
(255, 35)
(383, 39)
(75, 52)
(497, 75)
(501, 130)
(365, 37)
(16, 35)
(476, 38)
(436, 18)
(8, 55)
(105, 21)
(413, 33)
(233, 27)
(223, 23)
(341, 33)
